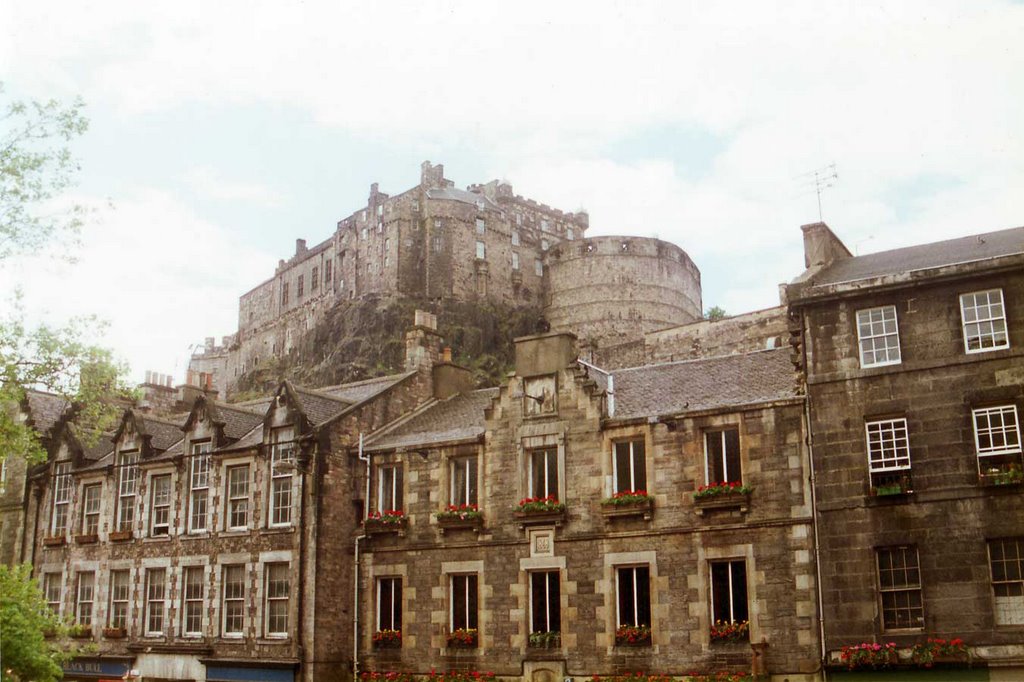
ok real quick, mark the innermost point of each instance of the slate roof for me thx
(318, 406)
(44, 409)
(237, 422)
(164, 433)
(458, 418)
(675, 387)
(924, 256)
(359, 391)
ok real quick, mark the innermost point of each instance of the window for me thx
(61, 498)
(1007, 562)
(119, 598)
(633, 589)
(327, 271)
(515, 234)
(544, 245)
(464, 602)
(538, 267)
(51, 591)
(722, 452)
(463, 473)
(238, 497)
(984, 321)
(569, 234)
(899, 581)
(480, 226)
(192, 601)
(544, 473)
(389, 487)
(128, 476)
(888, 452)
(314, 279)
(380, 209)
(630, 466)
(278, 589)
(234, 600)
(544, 224)
(160, 505)
(156, 586)
(299, 287)
(878, 336)
(729, 592)
(199, 487)
(91, 496)
(545, 602)
(389, 604)
(364, 233)
(515, 260)
(437, 245)
(284, 293)
(83, 605)
(282, 461)
(480, 250)
(997, 439)
(519, 218)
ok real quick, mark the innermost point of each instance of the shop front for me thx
(98, 669)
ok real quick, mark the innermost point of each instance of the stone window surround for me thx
(705, 555)
(56, 569)
(609, 438)
(608, 586)
(146, 477)
(62, 472)
(260, 619)
(450, 568)
(221, 483)
(717, 425)
(179, 620)
(216, 597)
(528, 565)
(457, 452)
(144, 569)
(400, 571)
(398, 462)
(861, 340)
(78, 508)
(535, 439)
(268, 521)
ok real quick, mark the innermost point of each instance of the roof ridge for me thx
(320, 394)
(363, 382)
(936, 243)
(696, 360)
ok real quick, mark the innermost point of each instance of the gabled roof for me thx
(458, 418)
(317, 405)
(44, 410)
(923, 257)
(704, 384)
(361, 390)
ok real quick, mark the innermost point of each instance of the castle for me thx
(485, 243)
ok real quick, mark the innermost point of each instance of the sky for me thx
(222, 131)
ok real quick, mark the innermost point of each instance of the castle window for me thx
(538, 267)
(544, 245)
(61, 498)
(984, 321)
(889, 454)
(156, 589)
(997, 439)
(298, 287)
(729, 591)
(569, 234)
(120, 591)
(284, 293)
(83, 606)
(238, 497)
(51, 591)
(480, 226)
(314, 279)
(722, 456)
(464, 602)
(437, 245)
(192, 602)
(480, 251)
(633, 591)
(199, 487)
(629, 466)
(878, 336)
(365, 233)
(128, 476)
(519, 218)
(1006, 559)
(91, 496)
(479, 204)
(543, 224)
(282, 462)
(515, 237)
(389, 604)
(899, 583)
(327, 271)
(415, 204)
(160, 505)
(463, 472)
(515, 260)
(278, 591)
(389, 488)
(233, 604)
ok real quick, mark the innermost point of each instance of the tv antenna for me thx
(822, 178)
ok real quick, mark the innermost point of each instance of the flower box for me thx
(388, 522)
(54, 541)
(387, 639)
(457, 517)
(628, 503)
(80, 632)
(120, 535)
(869, 656)
(545, 640)
(996, 478)
(537, 510)
(462, 639)
(938, 651)
(633, 635)
(723, 632)
(87, 539)
(115, 633)
(890, 490)
(733, 495)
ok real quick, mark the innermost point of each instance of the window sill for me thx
(120, 535)
(236, 531)
(87, 539)
(475, 524)
(157, 538)
(279, 529)
(644, 508)
(540, 518)
(54, 541)
(902, 497)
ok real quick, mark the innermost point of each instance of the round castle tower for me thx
(609, 290)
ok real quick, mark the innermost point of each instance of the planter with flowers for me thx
(937, 650)
(54, 541)
(628, 503)
(115, 633)
(87, 539)
(545, 640)
(868, 656)
(463, 638)
(387, 639)
(540, 510)
(722, 495)
(458, 516)
(79, 631)
(1009, 475)
(379, 523)
(633, 635)
(120, 535)
(726, 632)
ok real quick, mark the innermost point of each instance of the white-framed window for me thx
(997, 440)
(238, 497)
(83, 603)
(233, 603)
(569, 234)
(538, 267)
(480, 226)
(160, 505)
(515, 236)
(544, 245)
(519, 218)
(51, 591)
(463, 480)
(389, 487)
(629, 466)
(199, 487)
(282, 464)
(192, 601)
(722, 456)
(389, 604)
(120, 593)
(878, 336)
(127, 481)
(515, 260)
(633, 592)
(277, 591)
(544, 224)
(61, 498)
(481, 251)
(545, 602)
(91, 500)
(729, 591)
(888, 447)
(156, 592)
(543, 473)
(899, 584)
(984, 321)
(1006, 560)
(464, 602)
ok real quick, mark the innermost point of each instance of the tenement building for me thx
(914, 365)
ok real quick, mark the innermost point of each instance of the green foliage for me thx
(25, 619)
(715, 313)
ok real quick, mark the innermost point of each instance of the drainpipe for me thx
(610, 391)
(355, 571)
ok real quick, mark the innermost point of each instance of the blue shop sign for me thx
(219, 673)
(94, 667)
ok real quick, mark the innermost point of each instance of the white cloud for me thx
(208, 183)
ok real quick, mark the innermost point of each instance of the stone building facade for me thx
(915, 383)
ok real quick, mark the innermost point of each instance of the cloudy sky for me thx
(221, 131)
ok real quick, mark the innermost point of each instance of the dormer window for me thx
(127, 481)
(61, 499)
(282, 465)
(199, 488)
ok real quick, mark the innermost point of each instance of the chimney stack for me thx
(300, 247)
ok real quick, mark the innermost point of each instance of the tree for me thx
(715, 313)
(25, 620)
